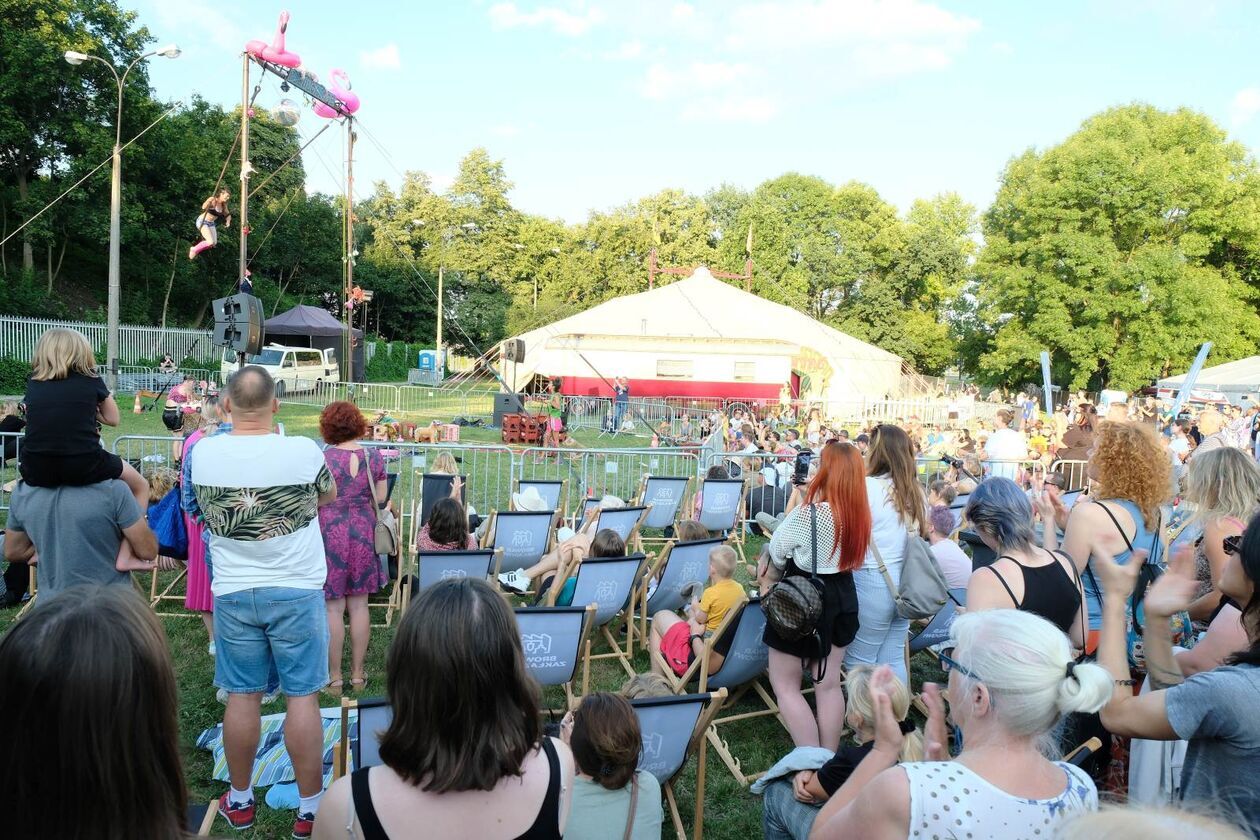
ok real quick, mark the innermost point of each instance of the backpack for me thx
(166, 518)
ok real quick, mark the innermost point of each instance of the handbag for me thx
(794, 606)
(923, 590)
(166, 518)
(385, 535)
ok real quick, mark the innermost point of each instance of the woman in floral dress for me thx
(348, 525)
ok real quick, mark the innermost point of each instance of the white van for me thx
(295, 369)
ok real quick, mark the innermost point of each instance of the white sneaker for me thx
(516, 580)
(210, 648)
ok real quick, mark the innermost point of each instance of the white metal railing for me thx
(19, 335)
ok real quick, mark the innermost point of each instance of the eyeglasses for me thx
(948, 664)
(1233, 545)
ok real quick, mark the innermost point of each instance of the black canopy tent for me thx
(310, 326)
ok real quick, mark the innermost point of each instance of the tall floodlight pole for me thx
(115, 203)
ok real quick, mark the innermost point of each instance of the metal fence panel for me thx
(431, 402)
(18, 337)
(132, 378)
(594, 473)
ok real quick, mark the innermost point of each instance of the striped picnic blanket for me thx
(271, 762)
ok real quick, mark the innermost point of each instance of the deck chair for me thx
(609, 583)
(665, 495)
(354, 751)
(672, 728)
(436, 486)
(937, 630)
(159, 593)
(1081, 754)
(200, 818)
(556, 640)
(523, 536)
(625, 521)
(723, 504)
(554, 492)
(437, 566)
(579, 518)
(680, 563)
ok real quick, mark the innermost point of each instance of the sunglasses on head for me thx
(1233, 545)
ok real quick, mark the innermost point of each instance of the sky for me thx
(592, 104)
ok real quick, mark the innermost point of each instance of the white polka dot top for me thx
(950, 802)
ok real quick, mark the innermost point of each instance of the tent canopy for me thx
(305, 320)
(1238, 377)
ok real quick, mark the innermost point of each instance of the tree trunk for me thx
(28, 251)
(169, 283)
(61, 258)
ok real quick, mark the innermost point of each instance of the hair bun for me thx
(1085, 687)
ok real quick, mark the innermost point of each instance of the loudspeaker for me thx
(506, 404)
(514, 350)
(238, 323)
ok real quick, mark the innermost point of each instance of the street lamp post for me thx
(115, 202)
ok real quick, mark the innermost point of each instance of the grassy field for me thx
(730, 811)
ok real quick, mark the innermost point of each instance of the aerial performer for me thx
(213, 209)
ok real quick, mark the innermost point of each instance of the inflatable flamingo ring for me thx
(275, 51)
(339, 86)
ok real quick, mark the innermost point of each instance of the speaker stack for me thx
(238, 323)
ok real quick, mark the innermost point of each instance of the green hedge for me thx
(392, 361)
(13, 375)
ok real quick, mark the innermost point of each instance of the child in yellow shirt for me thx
(679, 641)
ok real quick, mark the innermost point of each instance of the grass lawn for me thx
(730, 811)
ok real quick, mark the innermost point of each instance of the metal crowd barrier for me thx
(595, 473)
(132, 379)
(1073, 472)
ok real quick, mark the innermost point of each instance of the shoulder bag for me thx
(794, 606)
(385, 535)
(923, 590)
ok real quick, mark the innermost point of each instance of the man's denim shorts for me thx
(254, 626)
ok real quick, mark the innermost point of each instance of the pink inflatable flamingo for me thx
(275, 51)
(339, 86)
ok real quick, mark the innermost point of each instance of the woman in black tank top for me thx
(464, 754)
(1024, 577)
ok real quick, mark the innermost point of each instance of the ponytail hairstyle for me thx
(998, 507)
(857, 689)
(1026, 663)
(841, 484)
(606, 740)
(892, 455)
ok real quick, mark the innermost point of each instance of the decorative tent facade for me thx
(701, 337)
(1231, 379)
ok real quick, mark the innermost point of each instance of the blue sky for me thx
(594, 104)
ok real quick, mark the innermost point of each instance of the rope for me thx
(98, 167)
(292, 157)
(235, 140)
(271, 229)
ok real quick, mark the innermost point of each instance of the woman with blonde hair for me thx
(898, 509)
(1224, 486)
(65, 404)
(1011, 679)
(792, 804)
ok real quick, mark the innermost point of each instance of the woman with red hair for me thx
(837, 518)
(349, 526)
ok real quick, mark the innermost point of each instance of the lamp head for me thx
(75, 58)
(169, 51)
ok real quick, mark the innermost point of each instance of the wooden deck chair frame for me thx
(399, 595)
(156, 598)
(695, 745)
(699, 669)
(34, 590)
(633, 542)
(584, 656)
(683, 504)
(1081, 754)
(207, 820)
(495, 566)
(562, 500)
(736, 536)
(491, 533)
(343, 748)
(624, 654)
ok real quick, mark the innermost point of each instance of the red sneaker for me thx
(240, 817)
(303, 826)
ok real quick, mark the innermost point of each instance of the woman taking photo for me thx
(836, 518)
(604, 735)
(464, 755)
(1011, 677)
(94, 749)
(1214, 710)
(349, 527)
(898, 509)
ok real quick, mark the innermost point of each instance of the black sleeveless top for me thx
(546, 825)
(1048, 592)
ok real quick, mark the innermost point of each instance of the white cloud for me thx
(627, 51)
(382, 58)
(509, 16)
(663, 82)
(506, 130)
(202, 20)
(1245, 106)
(794, 23)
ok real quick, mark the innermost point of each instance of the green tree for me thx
(1119, 251)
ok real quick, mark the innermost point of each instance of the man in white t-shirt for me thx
(260, 494)
(1005, 448)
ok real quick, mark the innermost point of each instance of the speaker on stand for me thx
(238, 325)
(510, 403)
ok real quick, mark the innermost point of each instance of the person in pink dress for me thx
(197, 597)
(348, 526)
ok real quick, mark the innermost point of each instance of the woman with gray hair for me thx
(1024, 577)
